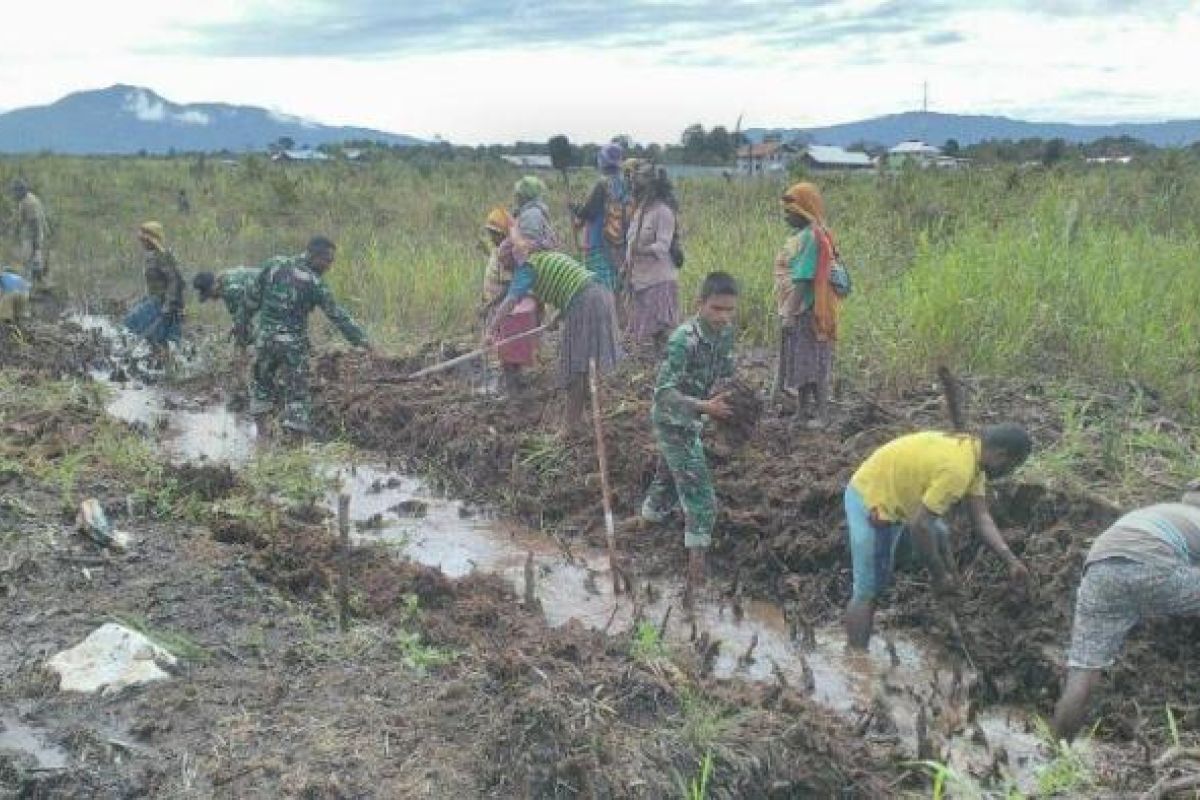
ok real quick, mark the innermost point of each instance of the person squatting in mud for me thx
(584, 307)
(699, 356)
(898, 498)
(32, 231)
(287, 290)
(497, 276)
(231, 285)
(158, 317)
(1146, 565)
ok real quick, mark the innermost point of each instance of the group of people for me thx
(896, 503)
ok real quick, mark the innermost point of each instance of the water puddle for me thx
(903, 686)
(904, 690)
(17, 737)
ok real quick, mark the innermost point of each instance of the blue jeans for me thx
(872, 549)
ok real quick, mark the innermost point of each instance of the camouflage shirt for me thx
(163, 281)
(233, 284)
(32, 228)
(697, 359)
(286, 292)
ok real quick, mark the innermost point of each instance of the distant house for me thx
(289, 156)
(529, 161)
(913, 150)
(822, 157)
(765, 157)
(1110, 160)
(353, 154)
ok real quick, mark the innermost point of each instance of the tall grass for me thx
(1077, 272)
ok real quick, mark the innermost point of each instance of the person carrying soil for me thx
(525, 315)
(651, 267)
(904, 489)
(158, 317)
(287, 290)
(585, 306)
(699, 356)
(32, 231)
(808, 303)
(1146, 565)
(604, 218)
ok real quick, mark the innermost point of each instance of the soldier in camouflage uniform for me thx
(287, 290)
(699, 355)
(32, 231)
(231, 285)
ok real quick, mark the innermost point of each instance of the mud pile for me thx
(781, 530)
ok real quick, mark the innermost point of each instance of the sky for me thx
(481, 72)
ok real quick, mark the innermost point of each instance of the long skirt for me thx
(655, 309)
(589, 331)
(805, 359)
(148, 321)
(522, 318)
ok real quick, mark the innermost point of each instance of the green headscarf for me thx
(529, 188)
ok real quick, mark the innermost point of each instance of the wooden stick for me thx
(610, 533)
(344, 561)
(454, 362)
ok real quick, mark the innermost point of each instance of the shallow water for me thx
(883, 692)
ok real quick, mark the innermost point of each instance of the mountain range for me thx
(130, 119)
(936, 128)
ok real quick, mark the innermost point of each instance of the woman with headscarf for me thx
(651, 271)
(604, 218)
(807, 302)
(158, 316)
(533, 215)
(524, 316)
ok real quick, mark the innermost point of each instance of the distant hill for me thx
(936, 128)
(130, 119)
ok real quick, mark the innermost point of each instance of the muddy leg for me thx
(859, 619)
(510, 379)
(1073, 705)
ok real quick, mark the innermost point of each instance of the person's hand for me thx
(489, 338)
(718, 407)
(1018, 573)
(555, 323)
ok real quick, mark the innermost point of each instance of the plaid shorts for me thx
(1117, 594)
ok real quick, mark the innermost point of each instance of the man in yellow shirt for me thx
(906, 487)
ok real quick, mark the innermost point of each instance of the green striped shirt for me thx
(557, 278)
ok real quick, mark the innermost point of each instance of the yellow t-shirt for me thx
(930, 469)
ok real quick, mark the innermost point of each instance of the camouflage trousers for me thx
(281, 376)
(682, 478)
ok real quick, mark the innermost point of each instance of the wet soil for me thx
(274, 700)
(781, 531)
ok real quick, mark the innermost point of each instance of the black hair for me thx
(203, 283)
(320, 245)
(1012, 440)
(717, 283)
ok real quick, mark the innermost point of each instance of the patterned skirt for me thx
(655, 309)
(805, 359)
(589, 331)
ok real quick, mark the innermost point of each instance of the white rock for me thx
(110, 658)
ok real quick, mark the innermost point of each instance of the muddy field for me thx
(440, 688)
(457, 687)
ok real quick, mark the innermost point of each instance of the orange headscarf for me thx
(804, 199)
(498, 220)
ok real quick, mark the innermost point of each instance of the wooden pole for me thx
(454, 362)
(610, 534)
(344, 561)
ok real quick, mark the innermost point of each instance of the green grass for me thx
(177, 644)
(647, 646)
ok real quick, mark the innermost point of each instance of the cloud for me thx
(941, 38)
(150, 109)
(386, 28)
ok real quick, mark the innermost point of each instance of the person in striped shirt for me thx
(584, 307)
